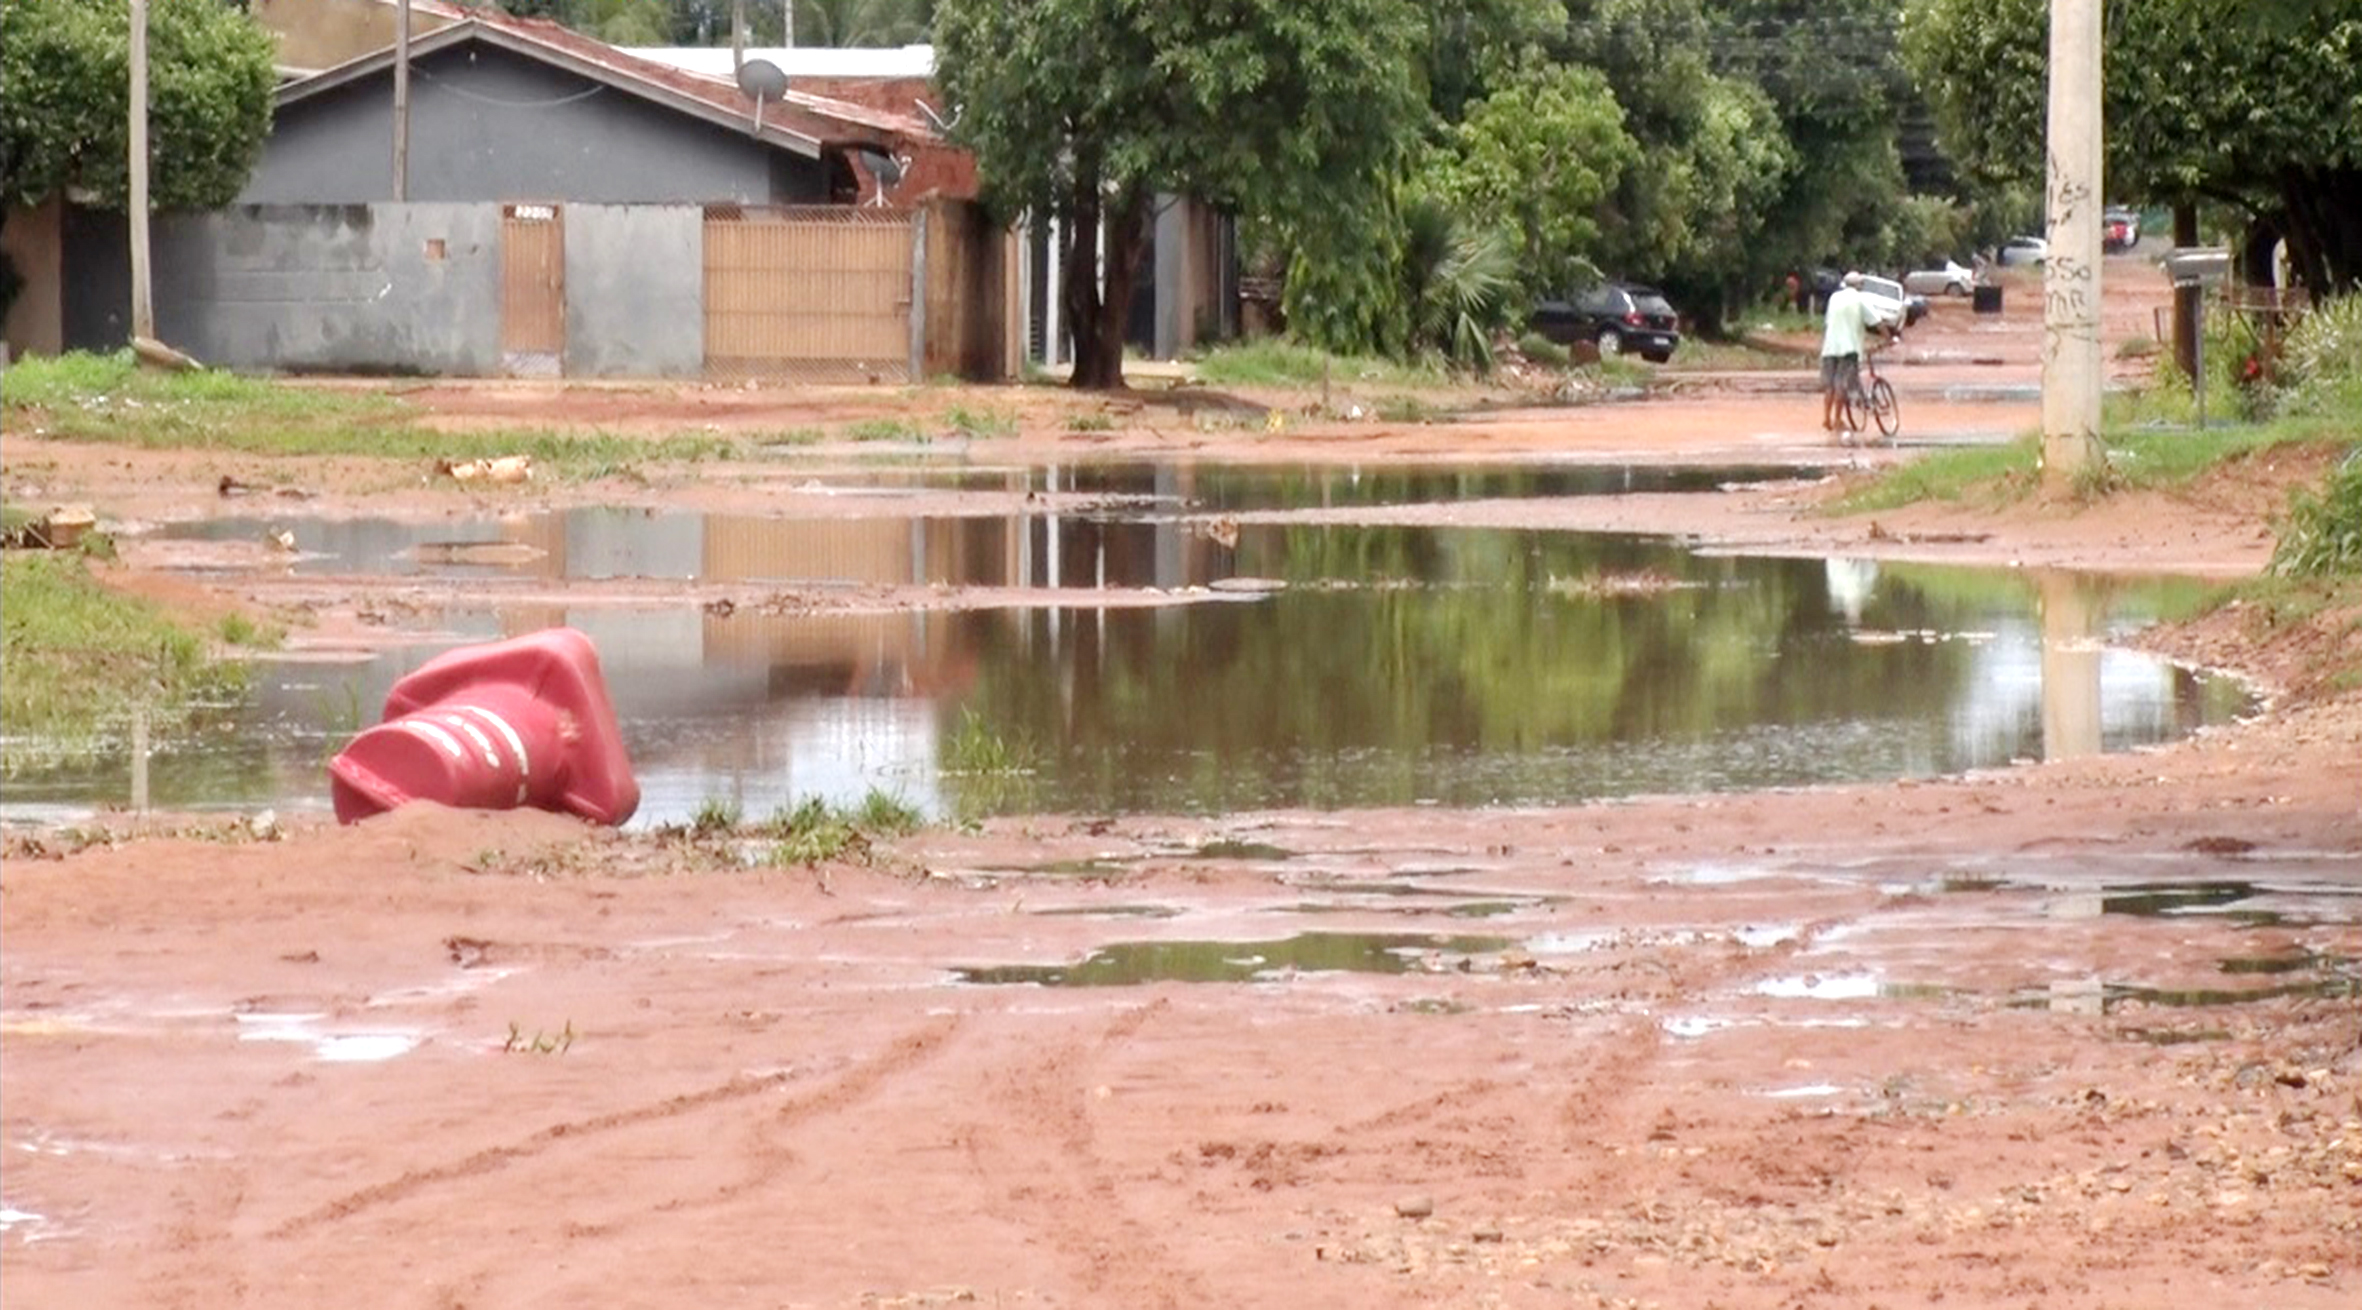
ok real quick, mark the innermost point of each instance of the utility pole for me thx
(787, 23)
(402, 102)
(143, 305)
(2071, 272)
(737, 37)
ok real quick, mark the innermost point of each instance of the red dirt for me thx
(1839, 1047)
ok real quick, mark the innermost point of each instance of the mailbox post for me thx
(2200, 267)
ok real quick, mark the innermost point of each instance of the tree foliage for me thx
(1541, 156)
(2258, 106)
(1300, 113)
(65, 82)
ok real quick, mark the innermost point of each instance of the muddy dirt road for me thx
(2075, 1034)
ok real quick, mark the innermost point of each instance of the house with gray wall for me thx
(551, 218)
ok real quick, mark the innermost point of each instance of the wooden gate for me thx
(813, 293)
(532, 290)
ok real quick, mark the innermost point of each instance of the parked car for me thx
(1950, 280)
(1894, 304)
(2120, 229)
(1620, 317)
(2024, 250)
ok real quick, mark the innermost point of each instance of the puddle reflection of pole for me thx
(2070, 667)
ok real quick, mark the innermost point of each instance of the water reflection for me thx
(1398, 665)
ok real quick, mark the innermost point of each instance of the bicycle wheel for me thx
(1855, 408)
(1883, 407)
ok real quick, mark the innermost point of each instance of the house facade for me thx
(569, 209)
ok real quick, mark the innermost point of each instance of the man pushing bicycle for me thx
(1845, 332)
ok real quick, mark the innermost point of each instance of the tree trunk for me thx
(1099, 334)
(2324, 227)
(2189, 303)
(1079, 278)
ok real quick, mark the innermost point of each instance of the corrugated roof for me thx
(797, 121)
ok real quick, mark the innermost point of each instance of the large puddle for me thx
(1367, 666)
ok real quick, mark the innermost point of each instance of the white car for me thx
(1894, 305)
(2024, 250)
(1950, 280)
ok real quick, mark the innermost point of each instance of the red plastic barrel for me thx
(525, 722)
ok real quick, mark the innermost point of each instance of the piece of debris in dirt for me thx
(476, 552)
(60, 529)
(230, 486)
(507, 468)
(1879, 532)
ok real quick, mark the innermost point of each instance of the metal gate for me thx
(812, 293)
(532, 290)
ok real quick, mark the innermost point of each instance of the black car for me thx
(1621, 317)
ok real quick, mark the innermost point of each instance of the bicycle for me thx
(1870, 398)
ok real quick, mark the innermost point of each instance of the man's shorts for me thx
(1839, 371)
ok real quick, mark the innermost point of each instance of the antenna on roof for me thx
(886, 168)
(763, 80)
(942, 124)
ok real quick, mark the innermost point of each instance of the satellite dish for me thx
(884, 167)
(763, 80)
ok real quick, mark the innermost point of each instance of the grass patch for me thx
(980, 422)
(2323, 534)
(1542, 350)
(1097, 420)
(2136, 458)
(815, 831)
(1743, 353)
(1273, 362)
(884, 429)
(81, 658)
(109, 398)
(238, 630)
(976, 750)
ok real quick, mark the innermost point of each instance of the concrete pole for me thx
(787, 23)
(2071, 373)
(402, 102)
(143, 305)
(737, 36)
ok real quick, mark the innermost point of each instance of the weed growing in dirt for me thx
(714, 815)
(974, 423)
(540, 1043)
(1096, 420)
(975, 748)
(1542, 350)
(82, 658)
(2322, 535)
(884, 429)
(1407, 409)
(239, 630)
(804, 436)
(890, 816)
(109, 398)
(1276, 363)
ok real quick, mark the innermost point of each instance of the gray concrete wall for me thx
(303, 288)
(635, 290)
(487, 124)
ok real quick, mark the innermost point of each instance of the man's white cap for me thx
(1853, 279)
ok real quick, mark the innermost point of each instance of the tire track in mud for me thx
(1061, 1189)
(855, 1086)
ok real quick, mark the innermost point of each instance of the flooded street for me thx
(1132, 650)
(1544, 859)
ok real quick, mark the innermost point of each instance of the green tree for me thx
(65, 80)
(1473, 44)
(1300, 113)
(1834, 75)
(2255, 106)
(1540, 157)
